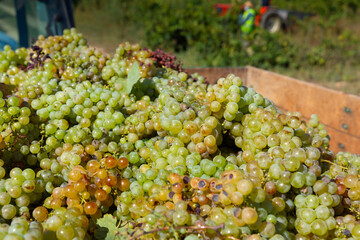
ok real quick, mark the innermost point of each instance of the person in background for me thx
(247, 19)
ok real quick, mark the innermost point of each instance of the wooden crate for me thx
(339, 112)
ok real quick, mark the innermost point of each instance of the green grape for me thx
(302, 227)
(277, 237)
(310, 178)
(297, 180)
(326, 199)
(13, 236)
(282, 187)
(319, 227)
(141, 177)
(15, 172)
(151, 174)
(356, 231)
(14, 191)
(292, 164)
(8, 211)
(180, 217)
(312, 201)
(2, 172)
(5, 198)
(258, 195)
(267, 229)
(22, 201)
(17, 228)
(191, 237)
(53, 223)
(322, 212)
(196, 171)
(209, 168)
(331, 223)
(65, 232)
(18, 180)
(218, 216)
(29, 174)
(28, 186)
(308, 215)
(271, 218)
(35, 148)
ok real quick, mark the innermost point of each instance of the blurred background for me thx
(317, 41)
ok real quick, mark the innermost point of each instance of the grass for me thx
(104, 30)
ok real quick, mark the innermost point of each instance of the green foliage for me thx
(218, 40)
(133, 77)
(171, 23)
(107, 227)
(321, 7)
(193, 26)
(181, 25)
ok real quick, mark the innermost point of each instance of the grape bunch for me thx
(130, 146)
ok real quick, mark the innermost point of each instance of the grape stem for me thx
(182, 227)
(327, 161)
(355, 211)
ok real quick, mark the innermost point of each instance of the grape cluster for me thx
(171, 158)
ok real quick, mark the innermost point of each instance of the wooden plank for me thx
(340, 141)
(335, 109)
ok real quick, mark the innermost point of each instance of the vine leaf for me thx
(108, 229)
(133, 76)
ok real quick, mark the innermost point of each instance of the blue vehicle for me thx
(22, 21)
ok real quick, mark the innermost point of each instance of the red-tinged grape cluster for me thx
(165, 59)
(85, 136)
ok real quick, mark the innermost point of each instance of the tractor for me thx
(268, 17)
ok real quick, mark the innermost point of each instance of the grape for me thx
(302, 227)
(277, 237)
(218, 216)
(267, 229)
(249, 215)
(192, 237)
(245, 186)
(17, 228)
(331, 223)
(53, 223)
(12, 236)
(90, 208)
(5, 198)
(40, 213)
(22, 201)
(29, 174)
(180, 217)
(211, 161)
(65, 232)
(308, 215)
(312, 201)
(319, 227)
(8, 211)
